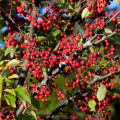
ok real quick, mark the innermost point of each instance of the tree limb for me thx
(78, 95)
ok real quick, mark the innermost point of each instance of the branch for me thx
(13, 22)
(105, 37)
(9, 20)
(63, 64)
(75, 54)
(24, 70)
(78, 95)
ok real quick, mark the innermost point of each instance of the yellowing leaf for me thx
(13, 76)
(34, 114)
(79, 43)
(11, 91)
(1, 63)
(7, 101)
(118, 1)
(13, 63)
(108, 30)
(92, 105)
(11, 100)
(23, 102)
(1, 68)
(9, 82)
(85, 13)
(101, 92)
(1, 85)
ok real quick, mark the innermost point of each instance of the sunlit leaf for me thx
(92, 105)
(13, 76)
(7, 51)
(44, 71)
(13, 63)
(101, 92)
(23, 102)
(85, 13)
(10, 100)
(1, 63)
(1, 84)
(56, 32)
(103, 63)
(107, 30)
(1, 68)
(63, 1)
(34, 114)
(9, 82)
(12, 52)
(79, 43)
(70, 7)
(11, 91)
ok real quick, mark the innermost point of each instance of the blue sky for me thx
(114, 6)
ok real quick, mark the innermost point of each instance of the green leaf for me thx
(35, 103)
(92, 105)
(79, 43)
(91, 49)
(12, 52)
(21, 93)
(25, 117)
(7, 51)
(44, 71)
(40, 38)
(92, 14)
(1, 63)
(104, 63)
(107, 30)
(56, 32)
(77, 8)
(63, 1)
(70, 7)
(101, 92)
(1, 84)
(85, 13)
(9, 82)
(102, 47)
(10, 100)
(14, 63)
(11, 91)
(34, 114)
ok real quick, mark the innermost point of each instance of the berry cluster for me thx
(60, 95)
(7, 114)
(82, 62)
(97, 6)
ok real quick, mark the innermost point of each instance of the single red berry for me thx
(47, 10)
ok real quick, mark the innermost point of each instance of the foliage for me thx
(62, 65)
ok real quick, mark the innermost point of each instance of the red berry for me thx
(47, 10)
